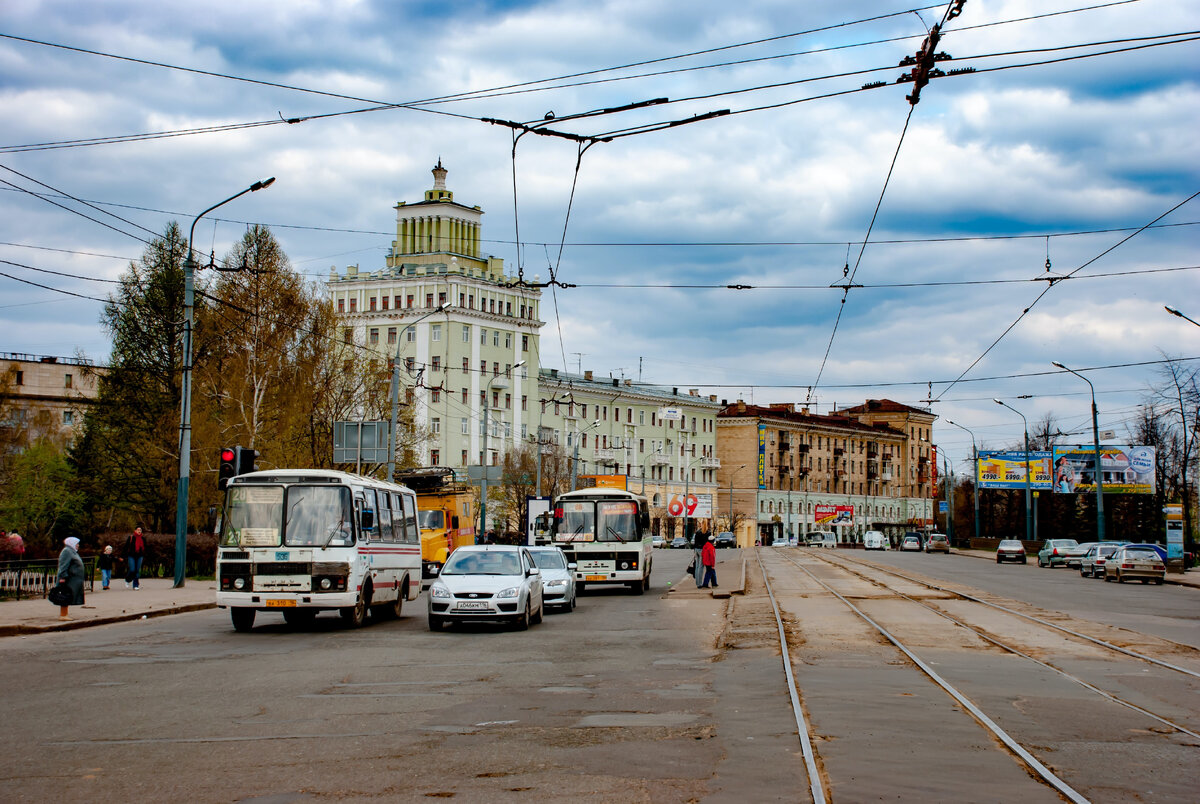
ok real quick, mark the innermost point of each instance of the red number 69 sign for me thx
(676, 504)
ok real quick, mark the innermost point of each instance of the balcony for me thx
(872, 451)
(784, 445)
(606, 455)
(710, 463)
(838, 452)
(872, 474)
(783, 469)
(658, 459)
(922, 477)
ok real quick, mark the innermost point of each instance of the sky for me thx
(1074, 132)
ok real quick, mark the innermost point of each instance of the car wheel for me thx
(355, 616)
(571, 605)
(1158, 581)
(435, 622)
(1145, 581)
(541, 613)
(243, 619)
(997, 559)
(1120, 578)
(1022, 561)
(521, 623)
(1106, 578)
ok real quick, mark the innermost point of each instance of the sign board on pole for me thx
(699, 506)
(1127, 470)
(602, 482)
(365, 442)
(831, 515)
(1006, 470)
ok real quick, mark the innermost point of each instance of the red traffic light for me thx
(227, 455)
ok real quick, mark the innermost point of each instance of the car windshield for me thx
(1010, 543)
(431, 520)
(911, 539)
(937, 537)
(549, 559)
(1141, 552)
(1064, 543)
(1107, 549)
(482, 563)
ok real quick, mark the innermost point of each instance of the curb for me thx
(72, 625)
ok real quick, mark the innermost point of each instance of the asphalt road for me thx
(1169, 612)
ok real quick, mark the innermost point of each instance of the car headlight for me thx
(512, 591)
(239, 583)
(439, 590)
(556, 583)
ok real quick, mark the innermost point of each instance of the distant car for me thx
(558, 577)
(874, 540)
(1055, 552)
(821, 538)
(781, 543)
(1076, 553)
(911, 542)
(1140, 561)
(680, 542)
(937, 543)
(1010, 550)
(487, 582)
(725, 539)
(1091, 564)
(920, 536)
(657, 540)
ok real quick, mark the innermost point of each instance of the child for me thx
(106, 566)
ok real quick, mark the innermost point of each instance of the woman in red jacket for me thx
(708, 557)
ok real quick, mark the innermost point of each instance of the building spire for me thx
(439, 176)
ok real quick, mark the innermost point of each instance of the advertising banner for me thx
(699, 506)
(602, 482)
(1006, 470)
(1127, 470)
(831, 515)
(762, 456)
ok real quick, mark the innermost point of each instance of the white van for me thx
(875, 540)
(821, 538)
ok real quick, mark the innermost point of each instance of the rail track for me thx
(820, 776)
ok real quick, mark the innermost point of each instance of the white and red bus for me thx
(605, 533)
(300, 541)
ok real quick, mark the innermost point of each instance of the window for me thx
(482, 336)
(583, 412)
(464, 457)
(408, 364)
(495, 369)
(508, 340)
(471, 302)
(508, 401)
(524, 402)
(371, 304)
(410, 300)
(397, 302)
(435, 395)
(67, 380)
(68, 417)
(495, 337)
(524, 343)
(524, 431)
(464, 395)
(429, 300)
(522, 311)
(441, 299)
(492, 304)
(466, 365)
(436, 365)
(373, 337)
(353, 305)
(629, 415)
(410, 334)
(495, 399)
(641, 417)
(435, 332)
(435, 457)
(384, 301)
(347, 337)
(462, 300)
(482, 367)
(341, 305)
(464, 425)
(466, 335)
(391, 336)
(436, 426)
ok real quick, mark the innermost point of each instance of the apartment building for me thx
(780, 462)
(45, 396)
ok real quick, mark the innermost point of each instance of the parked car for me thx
(658, 540)
(781, 543)
(1010, 550)
(1140, 561)
(821, 538)
(680, 542)
(1055, 551)
(920, 537)
(937, 543)
(725, 539)
(558, 577)
(875, 540)
(1076, 553)
(1091, 565)
(487, 582)
(911, 541)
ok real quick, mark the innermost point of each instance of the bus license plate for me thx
(473, 604)
(596, 578)
(280, 604)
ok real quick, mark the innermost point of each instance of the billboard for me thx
(699, 506)
(602, 482)
(831, 515)
(762, 456)
(1127, 470)
(1006, 470)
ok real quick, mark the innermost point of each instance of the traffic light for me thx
(245, 460)
(228, 467)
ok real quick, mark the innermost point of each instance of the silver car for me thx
(1091, 563)
(487, 582)
(558, 577)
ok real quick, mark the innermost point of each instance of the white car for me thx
(487, 582)
(875, 540)
(558, 577)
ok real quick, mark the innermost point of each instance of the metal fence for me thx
(25, 579)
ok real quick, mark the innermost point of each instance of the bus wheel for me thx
(638, 586)
(354, 616)
(299, 618)
(243, 619)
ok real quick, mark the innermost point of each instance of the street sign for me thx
(360, 442)
(670, 414)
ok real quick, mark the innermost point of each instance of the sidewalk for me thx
(734, 573)
(118, 604)
(1190, 577)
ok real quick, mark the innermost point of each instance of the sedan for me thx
(487, 582)
(558, 577)
(911, 542)
(1055, 551)
(1010, 550)
(725, 539)
(1135, 561)
(1091, 565)
(1076, 553)
(680, 542)
(938, 543)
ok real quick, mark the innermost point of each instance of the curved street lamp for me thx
(483, 482)
(1028, 517)
(575, 451)
(185, 388)
(1096, 447)
(975, 481)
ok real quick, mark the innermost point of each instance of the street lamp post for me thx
(1173, 312)
(393, 441)
(731, 474)
(975, 482)
(644, 462)
(1096, 448)
(950, 498)
(1028, 516)
(185, 389)
(483, 481)
(575, 452)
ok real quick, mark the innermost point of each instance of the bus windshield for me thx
(432, 520)
(617, 521)
(578, 523)
(254, 517)
(319, 516)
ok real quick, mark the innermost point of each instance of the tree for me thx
(128, 455)
(1180, 396)
(42, 498)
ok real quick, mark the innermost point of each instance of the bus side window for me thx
(399, 524)
(454, 522)
(385, 517)
(410, 516)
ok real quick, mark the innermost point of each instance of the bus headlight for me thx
(512, 591)
(239, 583)
(326, 583)
(439, 591)
(624, 565)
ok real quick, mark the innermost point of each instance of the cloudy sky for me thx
(1070, 136)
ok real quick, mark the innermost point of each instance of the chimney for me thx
(587, 375)
(693, 392)
(628, 382)
(741, 406)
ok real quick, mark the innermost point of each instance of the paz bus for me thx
(605, 533)
(300, 541)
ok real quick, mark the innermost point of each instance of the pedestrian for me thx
(708, 558)
(16, 544)
(106, 566)
(135, 553)
(699, 539)
(70, 572)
